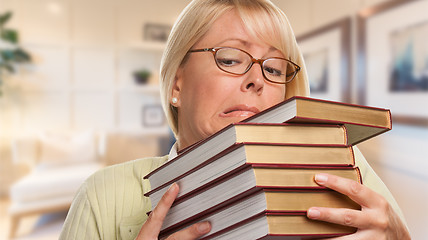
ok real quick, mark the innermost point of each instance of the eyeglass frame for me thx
(253, 60)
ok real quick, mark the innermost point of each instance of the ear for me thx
(176, 87)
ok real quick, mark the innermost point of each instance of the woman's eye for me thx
(228, 62)
(273, 71)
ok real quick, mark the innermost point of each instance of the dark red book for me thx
(239, 155)
(361, 122)
(298, 122)
(247, 132)
(284, 226)
(251, 178)
(255, 210)
(329, 123)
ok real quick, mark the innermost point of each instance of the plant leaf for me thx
(7, 55)
(8, 67)
(5, 17)
(10, 35)
(21, 55)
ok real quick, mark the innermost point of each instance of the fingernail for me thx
(172, 187)
(314, 213)
(203, 227)
(321, 178)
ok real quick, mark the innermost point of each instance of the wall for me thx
(81, 79)
(84, 53)
(400, 156)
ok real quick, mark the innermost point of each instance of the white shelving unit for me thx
(148, 46)
(143, 89)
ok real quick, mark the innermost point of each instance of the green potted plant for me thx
(142, 76)
(10, 53)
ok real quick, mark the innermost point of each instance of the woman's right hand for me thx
(151, 228)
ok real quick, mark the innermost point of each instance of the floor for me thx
(45, 227)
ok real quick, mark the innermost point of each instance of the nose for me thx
(253, 80)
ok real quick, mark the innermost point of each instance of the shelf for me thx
(149, 46)
(157, 47)
(147, 131)
(147, 89)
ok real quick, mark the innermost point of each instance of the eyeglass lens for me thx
(238, 62)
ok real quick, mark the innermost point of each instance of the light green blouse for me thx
(110, 204)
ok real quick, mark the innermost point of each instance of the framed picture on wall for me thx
(156, 32)
(327, 54)
(393, 59)
(153, 116)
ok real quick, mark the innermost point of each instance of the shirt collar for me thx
(173, 152)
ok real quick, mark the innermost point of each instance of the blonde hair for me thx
(263, 20)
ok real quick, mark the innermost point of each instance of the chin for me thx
(229, 121)
(222, 123)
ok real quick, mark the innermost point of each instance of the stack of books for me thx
(255, 179)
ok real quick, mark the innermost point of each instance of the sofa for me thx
(61, 162)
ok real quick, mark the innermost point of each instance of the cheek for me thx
(205, 86)
(275, 94)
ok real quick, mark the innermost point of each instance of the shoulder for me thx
(118, 191)
(127, 174)
(109, 199)
(138, 167)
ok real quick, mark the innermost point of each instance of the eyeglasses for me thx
(238, 62)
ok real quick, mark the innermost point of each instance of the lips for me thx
(240, 111)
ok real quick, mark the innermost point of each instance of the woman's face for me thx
(209, 98)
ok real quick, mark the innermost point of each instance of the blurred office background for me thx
(90, 97)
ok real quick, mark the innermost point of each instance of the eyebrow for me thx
(243, 42)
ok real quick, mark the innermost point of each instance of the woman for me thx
(203, 90)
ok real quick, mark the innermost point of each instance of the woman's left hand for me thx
(375, 220)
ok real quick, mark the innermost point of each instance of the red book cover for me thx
(353, 120)
(356, 131)
(234, 197)
(232, 208)
(387, 125)
(278, 236)
(239, 145)
(197, 145)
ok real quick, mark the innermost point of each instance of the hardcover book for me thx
(239, 155)
(246, 132)
(362, 122)
(272, 201)
(254, 179)
(247, 181)
(358, 123)
(268, 225)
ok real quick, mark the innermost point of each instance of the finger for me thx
(354, 190)
(342, 216)
(357, 235)
(152, 226)
(193, 232)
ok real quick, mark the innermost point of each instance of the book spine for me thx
(261, 214)
(210, 210)
(301, 166)
(359, 174)
(310, 120)
(196, 168)
(187, 150)
(225, 177)
(351, 149)
(238, 145)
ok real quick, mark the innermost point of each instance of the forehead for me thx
(228, 26)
